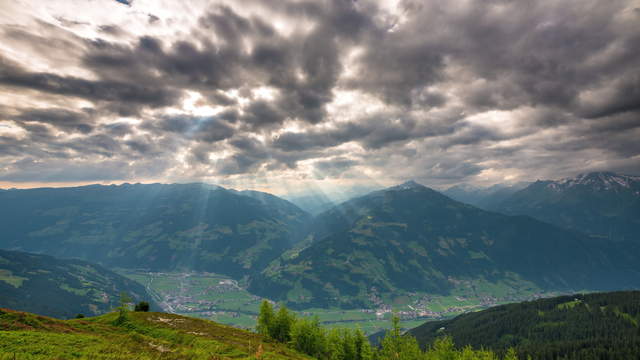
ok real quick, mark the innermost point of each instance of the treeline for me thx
(599, 326)
(307, 336)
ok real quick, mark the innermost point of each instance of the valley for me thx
(222, 299)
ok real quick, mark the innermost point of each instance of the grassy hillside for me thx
(61, 288)
(154, 226)
(592, 326)
(144, 336)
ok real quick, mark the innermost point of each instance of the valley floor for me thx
(222, 299)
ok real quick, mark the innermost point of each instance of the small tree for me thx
(265, 319)
(79, 316)
(308, 337)
(394, 346)
(443, 349)
(142, 306)
(123, 309)
(282, 323)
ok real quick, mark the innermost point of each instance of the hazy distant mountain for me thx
(484, 198)
(61, 288)
(412, 238)
(602, 204)
(315, 201)
(191, 226)
(591, 326)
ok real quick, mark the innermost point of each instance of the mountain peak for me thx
(408, 185)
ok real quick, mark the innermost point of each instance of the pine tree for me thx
(363, 347)
(394, 346)
(442, 349)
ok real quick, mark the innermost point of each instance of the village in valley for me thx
(222, 299)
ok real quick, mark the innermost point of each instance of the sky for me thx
(289, 95)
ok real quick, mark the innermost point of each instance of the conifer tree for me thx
(394, 346)
(363, 347)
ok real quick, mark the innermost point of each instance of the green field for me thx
(222, 299)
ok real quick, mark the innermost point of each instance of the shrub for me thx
(142, 306)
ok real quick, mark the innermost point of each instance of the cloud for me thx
(115, 92)
(124, 2)
(62, 119)
(442, 92)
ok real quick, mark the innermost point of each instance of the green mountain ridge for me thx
(155, 226)
(61, 288)
(581, 326)
(411, 238)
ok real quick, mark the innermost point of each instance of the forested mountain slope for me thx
(591, 326)
(155, 226)
(61, 288)
(411, 238)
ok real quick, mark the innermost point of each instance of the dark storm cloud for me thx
(456, 87)
(69, 121)
(304, 69)
(260, 114)
(209, 129)
(118, 129)
(370, 132)
(100, 90)
(624, 97)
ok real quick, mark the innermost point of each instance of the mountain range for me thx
(568, 235)
(601, 204)
(155, 226)
(483, 197)
(411, 238)
(62, 288)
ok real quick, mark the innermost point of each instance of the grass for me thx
(569, 305)
(25, 336)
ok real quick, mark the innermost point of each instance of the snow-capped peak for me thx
(408, 185)
(601, 181)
